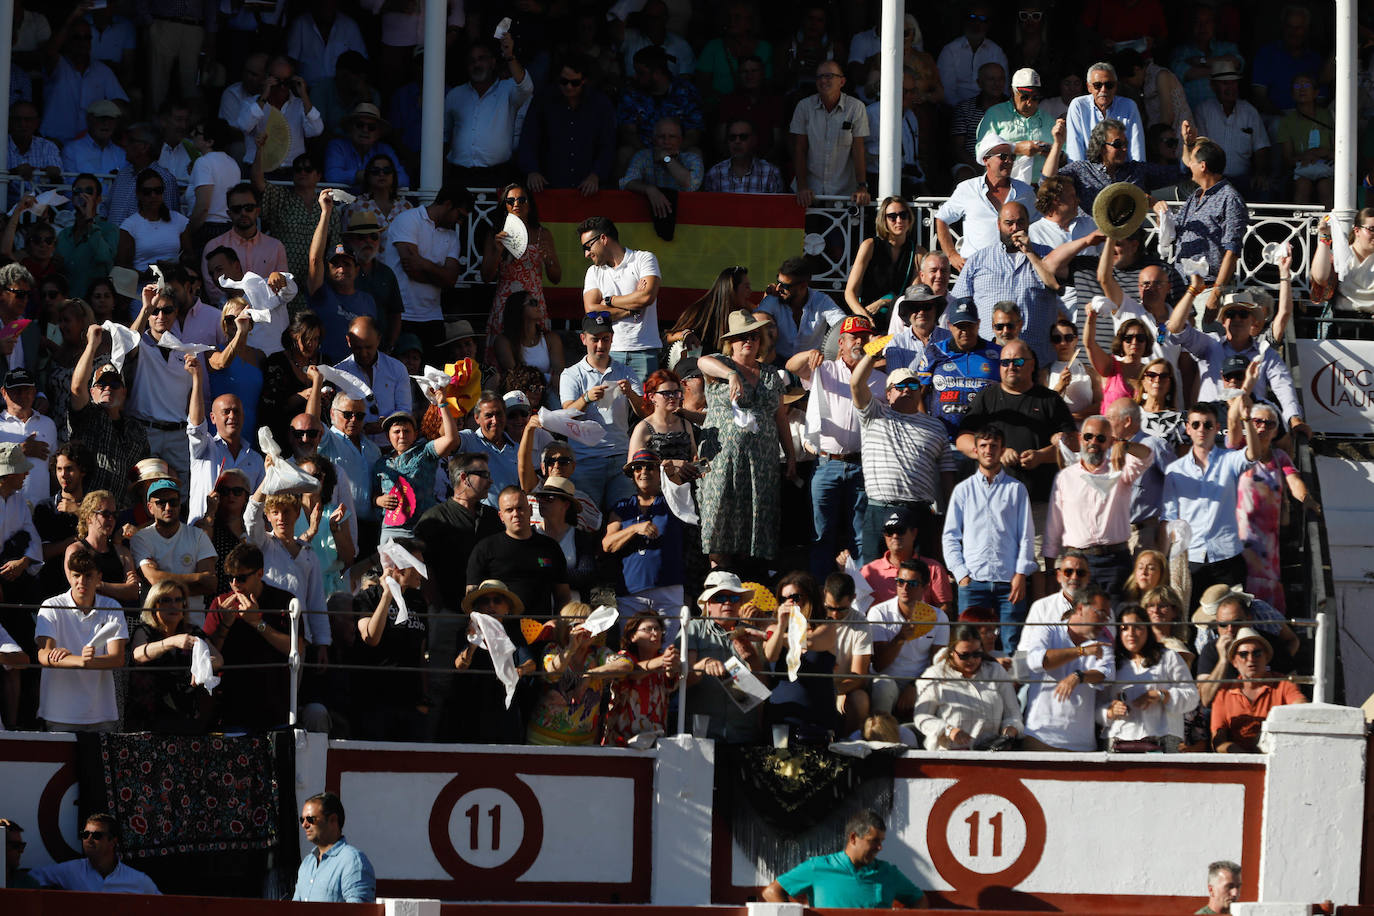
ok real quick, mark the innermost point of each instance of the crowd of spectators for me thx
(886, 509)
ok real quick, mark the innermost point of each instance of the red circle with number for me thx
(530, 842)
(961, 877)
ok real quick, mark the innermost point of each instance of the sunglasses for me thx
(792, 596)
(234, 491)
(671, 393)
(895, 215)
(306, 433)
(106, 513)
(1005, 157)
(167, 500)
(484, 475)
(895, 531)
(110, 381)
(968, 656)
(586, 247)
(244, 208)
(1063, 338)
(1263, 422)
(599, 316)
(559, 461)
(162, 309)
(1003, 325)
(102, 834)
(1030, 15)
(1093, 437)
(311, 819)
(564, 81)
(240, 578)
(738, 137)
(1235, 315)
(1202, 424)
(18, 293)
(351, 414)
(381, 170)
(171, 602)
(908, 583)
(151, 191)
(1073, 572)
(1135, 338)
(1156, 376)
(488, 600)
(908, 386)
(1109, 84)
(516, 201)
(1170, 142)
(727, 599)
(1250, 653)
(1016, 362)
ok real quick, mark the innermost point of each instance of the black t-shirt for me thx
(1027, 421)
(401, 646)
(530, 568)
(451, 531)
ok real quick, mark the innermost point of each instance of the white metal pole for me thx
(1322, 659)
(294, 658)
(1347, 85)
(684, 616)
(890, 101)
(432, 100)
(6, 40)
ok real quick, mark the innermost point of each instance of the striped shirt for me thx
(901, 454)
(993, 274)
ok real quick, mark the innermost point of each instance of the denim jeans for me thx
(838, 504)
(643, 362)
(601, 478)
(996, 595)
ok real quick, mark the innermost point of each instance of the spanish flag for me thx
(714, 231)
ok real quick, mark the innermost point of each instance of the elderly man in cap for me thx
(36, 434)
(953, 371)
(1238, 712)
(1102, 101)
(1021, 122)
(97, 418)
(346, 158)
(902, 447)
(212, 455)
(917, 327)
(832, 426)
(802, 315)
(168, 551)
(977, 201)
(96, 151)
(362, 235)
(1236, 125)
(715, 642)
(607, 392)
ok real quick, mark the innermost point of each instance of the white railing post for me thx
(890, 101)
(1322, 667)
(294, 659)
(684, 615)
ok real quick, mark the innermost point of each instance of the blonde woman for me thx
(96, 522)
(161, 697)
(886, 265)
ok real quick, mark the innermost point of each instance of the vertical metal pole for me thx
(294, 659)
(684, 615)
(6, 40)
(890, 101)
(1345, 113)
(1323, 658)
(432, 100)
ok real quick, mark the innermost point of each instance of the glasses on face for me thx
(240, 578)
(111, 381)
(669, 394)
(1015, 362)
(826, 77)
(105, 513)
(908, 583)
(559, 461)
(1027, 95)
(565, 81)
(967, 656)
(306, 433)
(234, 491)
(302, 168)
(1108, 84)
(601, 315)
(1073, 572)
(19, 845)
(908, 386)
(792, 596)
(1030, 15)
(895, 532)
(162, 310)
(168, 501)
(489, 600)
(587, 245)
(351, 414)
(977, 17)
(1250, 653)
(381, 170)
(94, 834)
(1156, 376)
(728, 599)
(17, 293)
(1003, 325)
(151, 191)
(752, 336)
(1118, 143)
(896, 215)
(1263, 422)
(1136, 337)
(739, 138)
(310, 819)
(172, 601)
(1201, 424)
(1369, 229)
(1093, 437)
(1005, 157)
(1063, 338)
(1235, 315)
(243, 208)
(517, 201)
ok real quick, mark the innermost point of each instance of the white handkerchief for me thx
(863, 592)
(431, 380)
(600, 620)
(202, 667)
(746, 420)
(502, 28)
(396, 556)
(170, 341)
(679, 499)
(796, 642)
(262, 300)
(1102, 305)
(347, 383)
(1103, 483)
(398, 596)
(517, 236)
(123, 341)
(1190, 266)
(566, 422)
(106, 632)
(1168, 232)
(267, 444)
(342, 197)
(492, 636)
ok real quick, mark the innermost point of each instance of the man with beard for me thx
(480, 116)
(257, 251)
(1090, 503)
(802, 315)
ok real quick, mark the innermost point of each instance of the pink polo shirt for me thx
(1091, 510)
(881, 576)
(261, 254)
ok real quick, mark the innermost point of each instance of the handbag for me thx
(1136, 746)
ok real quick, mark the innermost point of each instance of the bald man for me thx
(385, 375)
(213, 455)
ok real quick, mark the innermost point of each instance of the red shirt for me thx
(881, 576)
(1242, 717)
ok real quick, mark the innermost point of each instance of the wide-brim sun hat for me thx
(1119, 210)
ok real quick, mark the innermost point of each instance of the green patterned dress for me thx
(739, 498)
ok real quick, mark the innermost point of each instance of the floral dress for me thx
(1259, 507)
(637, 705)
(569, 709)
(739, 498)
(523, 273)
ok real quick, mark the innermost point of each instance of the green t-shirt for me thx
(833, 881)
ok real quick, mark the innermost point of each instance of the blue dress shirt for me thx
(1083, 116)
(341, 875)
(989, 535)
(1205, 498)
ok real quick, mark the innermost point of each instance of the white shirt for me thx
(158, 240)
(639, 331)
(958, 64)
(179, 554)
(481, 128)
(830, 136)
(414, 226)
(1241, 133)
(808, 333)
(252, 120)
(317, 56)
(1155, 721)
(80, 875)
(1048, 233)
(981, 706)
(1083, 116)
(970, 203)
(232, 102)
(390, 384)
(1049, 609)
(70, 695)
(220, 173)
(1068, 725)
(887, 621)
(210, 457)
(832, 421)
(298, 576)
(177, 160)
(38, 485)
(162, 387)
(18, 516)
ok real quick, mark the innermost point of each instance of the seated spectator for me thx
(651, 31)
(74, 82)
(884, 266)
(745, 171)
(89, 245)
(223, 519)
(647, 537)
(31, 157)
(37, 249)
(286, 382)
(721, 57)
(1237, 127)
(1306, 141)
(969, 114)
(68, 623)
(33, 431)
(254, 250)
(285, 91)
(1150, 570)
(477, 710)
(481, 130)
(971, 203)
(347, 157)
(100, 870)
(753, 101)
(1238, 713)
(806, 705)
(639, 700)
(1067, 663)
(249, 626)
(154, 232)
(379, 202)
(161, 698)
(227, 448)
(525, 274)
(559, 507)
(853, 651)
(351, 85)
(385, 375)
(1192, 58)
(96, 150)
(1106, 160)
(965, 701)
(141, 143)
(826, 160)
(568, 139)
(961, 59)
(1102, 101)
(713, 640)
(1146, 711)
(1213, 221)
(1165, 609)
(907, 632)
(577, 670)
(1348, 287)
(15, 877)
(1279, 61)
(392, 705)
(168, 550)
(665, 167)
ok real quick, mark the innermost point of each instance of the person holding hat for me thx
(976, 202)
(346, 158)
(712, 640)
(608, 392)
(918, 311)
(1102, 101)
(1107, 160)
(1237, 127)
(1020, 121)
(1238, 712)
(332, 285)
(955, 370)
(648, 539)
(803, 315)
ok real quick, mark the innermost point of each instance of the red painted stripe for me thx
(759, 211)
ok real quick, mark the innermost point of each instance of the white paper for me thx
(566, 422)
(679, 499)
(125, 281)
(47, 199)
(170, 341)
(796, 641)
(1190, 266)
(123, 341)
(431, 380)
(202, 666)
(341, 197)
(502, 29)
(107, 631)
(492, 636)
(262, 301)
(517, 236)
(346, 382)
(600, 620)
(744, 688)
(283, 477)
(863, 592)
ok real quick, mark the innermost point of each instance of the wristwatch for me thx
(606, 301)
(1081, 677)
(262, 626)
(667, 159)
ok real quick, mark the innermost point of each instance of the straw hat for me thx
(741, 323)
(1119, 209)
(493, 587)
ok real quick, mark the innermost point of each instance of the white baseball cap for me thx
(1025, 78)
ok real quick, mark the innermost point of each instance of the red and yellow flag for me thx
(714, 231)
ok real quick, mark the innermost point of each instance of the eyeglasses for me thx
(1062, 338)
(18, 293)
(171, 601)
(517, 201)
(1201, 424)
(893, 216)
(151, 191)
(301, 168)
(601, 315)
(1250, 653)
(351, 414)
(1005, 157)
(110, 381)
(240, 578)
(234, 491)
(727, 599)
(739, 137)
(1073, 572)
(167, 500)
(1118, 143)
(481, 475)
(305, 433)
(243, 208)
(381, 170)
(1030, 15)
(106, 513)
(94, 834)
(1156, 376)
(908, 583)
(1263, 422)
(1369, 229)
(792, 596)
(977, 17)
(908, 386)
(836, 608)
(586, 247)
(1003, 326)
(827, 77)
(1235, 315)
(564, 81)
(559, 461)
(968, 656)
(367, 125)
(1109, 84)
(751, 336)
(1015, 362)
(669, 394)
(311, 819)
(1093, 437)
(1135, 338)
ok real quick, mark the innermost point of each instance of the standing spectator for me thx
(75, 83)
(212, 175)
(285, 378)
(913, 177)
(256, 251)
(477, 711)
(1236, 126)
(385, 375)
(88, 246)
(964, 700)
(651, 31)
(98, 419)
(961, 60)
(1147, 493)
(317, 38)
(1214, 218)
(288, 562)
(422, 250)
(955, 370)
(720, 58)
(154, 232)
(622, 284)
(1102, 102)
(907, 633)
(1278, 63)
(65, 637)
(100, 869)
(524, 274)
(362, 235)
(332, 286)
(802, 315)
(1020, 122)
(1068, 663)
(1072, 574)
(745, 171)
(832, 425)
(531, 563)
(989, 538)
(33, 431)
(390, 704)
(287, 92)
(754, 102)
(828, 131)
(568, 136)
(413, 463)
(1238, 712)
(642, 531)
(176, 33)
(480, 116)
(1193, 59)
(334, 871)
(211, 456)
(977, 203)
(1223, 887)
(452, 528)
(252, 78)
(291, 215)
(380, 201)
(968, 114)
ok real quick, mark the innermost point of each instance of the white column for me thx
(312, 752)
(684, 785)
(1314, 788)
(6, 40)
(890, 101)
(776, 909)
(1344, 111)
(432, 100)
(401, 906)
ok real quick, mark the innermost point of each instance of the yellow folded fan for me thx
(877, 344)
(923, 615)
